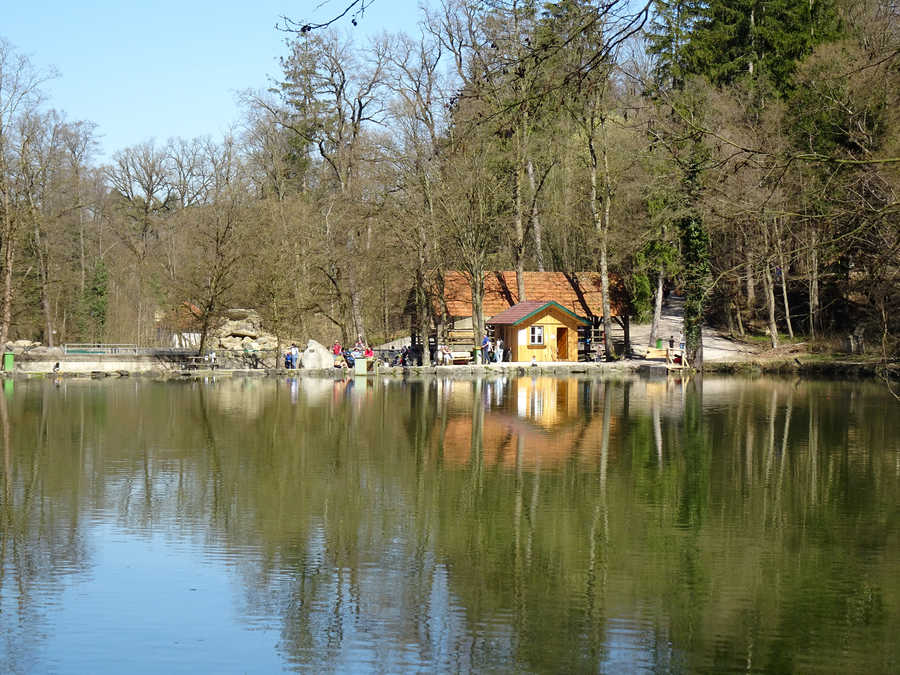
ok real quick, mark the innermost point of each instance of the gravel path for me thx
(717, 346)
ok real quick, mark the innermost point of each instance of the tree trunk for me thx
(44, 274)
(604, 235)
(604, 289)
(695, 257)
(787, 307)
(751, 283)
(204, 333)
(476, 283)
(657, 309)
(81, 248)
(535, 220)
(697, 362)
(9, 249)
(356, 307)
(784, 293)
(422, 314)
(813, 287)
(769, 288)
(385, 309)
(519, 239)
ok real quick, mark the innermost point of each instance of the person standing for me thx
(498, 350)
(295, 356)
(485, 348)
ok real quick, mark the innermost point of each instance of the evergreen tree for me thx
(667, 37)
(762, 39)
(95, 301)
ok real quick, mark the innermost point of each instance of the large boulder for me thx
(230, 343)
(243, 314)
(47, 352)
(267, 342)
(21, 346)
(316, 357)
(240, 329)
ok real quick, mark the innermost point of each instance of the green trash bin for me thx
(9, 361)
(659, 343)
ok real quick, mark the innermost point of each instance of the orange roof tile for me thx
(500, 292)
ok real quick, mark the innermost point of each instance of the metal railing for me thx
(99, 348)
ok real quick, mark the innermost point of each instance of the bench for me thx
(195, 362)
(674, 358)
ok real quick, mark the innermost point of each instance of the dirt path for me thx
(717, 346)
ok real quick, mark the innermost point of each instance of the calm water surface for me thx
(517, 524)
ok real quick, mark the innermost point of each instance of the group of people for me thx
(360, 350)
(443, 356)
(492, 350)
(292, 357)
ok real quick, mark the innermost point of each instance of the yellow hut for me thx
(542, 330)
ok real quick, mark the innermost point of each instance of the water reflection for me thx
(503, 523)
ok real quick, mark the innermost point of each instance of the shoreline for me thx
(820, 367)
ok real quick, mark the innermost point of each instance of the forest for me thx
(745, 153)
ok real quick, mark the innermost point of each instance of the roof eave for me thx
(580, 319)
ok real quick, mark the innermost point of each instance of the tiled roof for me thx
(500, 292)
(518, 312)
(523, 310)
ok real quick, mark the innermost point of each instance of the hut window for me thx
(537, 335)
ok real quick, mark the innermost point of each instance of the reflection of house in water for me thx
(539, 424)
(546, 401)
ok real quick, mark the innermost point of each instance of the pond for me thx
(509, 524)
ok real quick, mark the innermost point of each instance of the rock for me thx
(316, 357)
(20, 346)
(267, 342)
(242, 314)
(230, 343)
(238, 329)
(250, 345)
(47, 352)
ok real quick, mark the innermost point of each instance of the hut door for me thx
(562, 344)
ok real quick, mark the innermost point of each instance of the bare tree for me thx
(141, 182)
(19, 96)
(469, 206)
(417, 112)
(334, 95)
(217, 239)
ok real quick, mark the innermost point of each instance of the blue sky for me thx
(163, 69)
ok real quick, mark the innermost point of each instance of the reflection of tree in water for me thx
(676, 530)
(40, 537)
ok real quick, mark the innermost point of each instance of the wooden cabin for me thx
(451, 302)
(539, 330)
